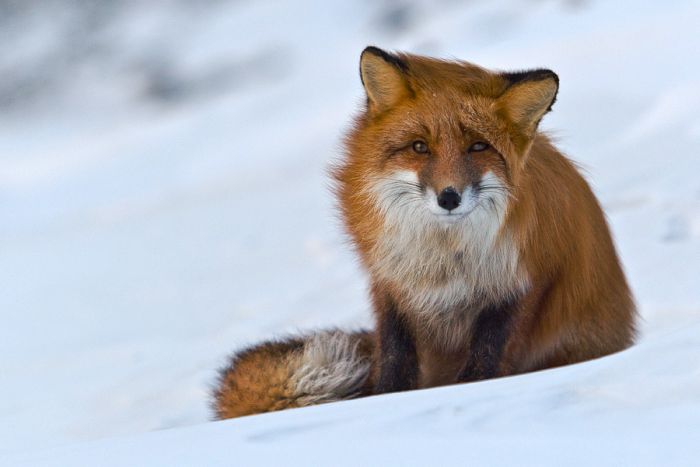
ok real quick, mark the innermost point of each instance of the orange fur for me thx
(258, 380)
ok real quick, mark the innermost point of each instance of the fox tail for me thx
(295, 372)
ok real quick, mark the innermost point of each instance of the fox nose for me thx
(449, 198)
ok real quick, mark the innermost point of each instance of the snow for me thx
(164, 200)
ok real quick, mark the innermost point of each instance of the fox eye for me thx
(478, 147)
(420, 147)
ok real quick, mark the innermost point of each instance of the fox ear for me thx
(383, 76)
(529, 95)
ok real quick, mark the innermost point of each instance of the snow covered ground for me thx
(163, 201)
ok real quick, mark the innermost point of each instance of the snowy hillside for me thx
(163, 201)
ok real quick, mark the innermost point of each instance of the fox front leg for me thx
(396, 362)
(490, 334)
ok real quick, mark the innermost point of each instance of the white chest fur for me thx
(443, 269)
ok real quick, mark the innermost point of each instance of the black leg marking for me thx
(397, 362)
(489, 337)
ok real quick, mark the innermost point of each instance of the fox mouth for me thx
(452, 217)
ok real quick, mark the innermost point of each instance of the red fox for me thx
(487, 253)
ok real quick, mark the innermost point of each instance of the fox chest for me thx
(440, 284)
(439, 275)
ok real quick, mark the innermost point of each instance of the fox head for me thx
(450, 136)
(436, 157)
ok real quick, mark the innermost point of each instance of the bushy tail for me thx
(295, 372)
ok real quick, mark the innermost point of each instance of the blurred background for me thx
(163, 188)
